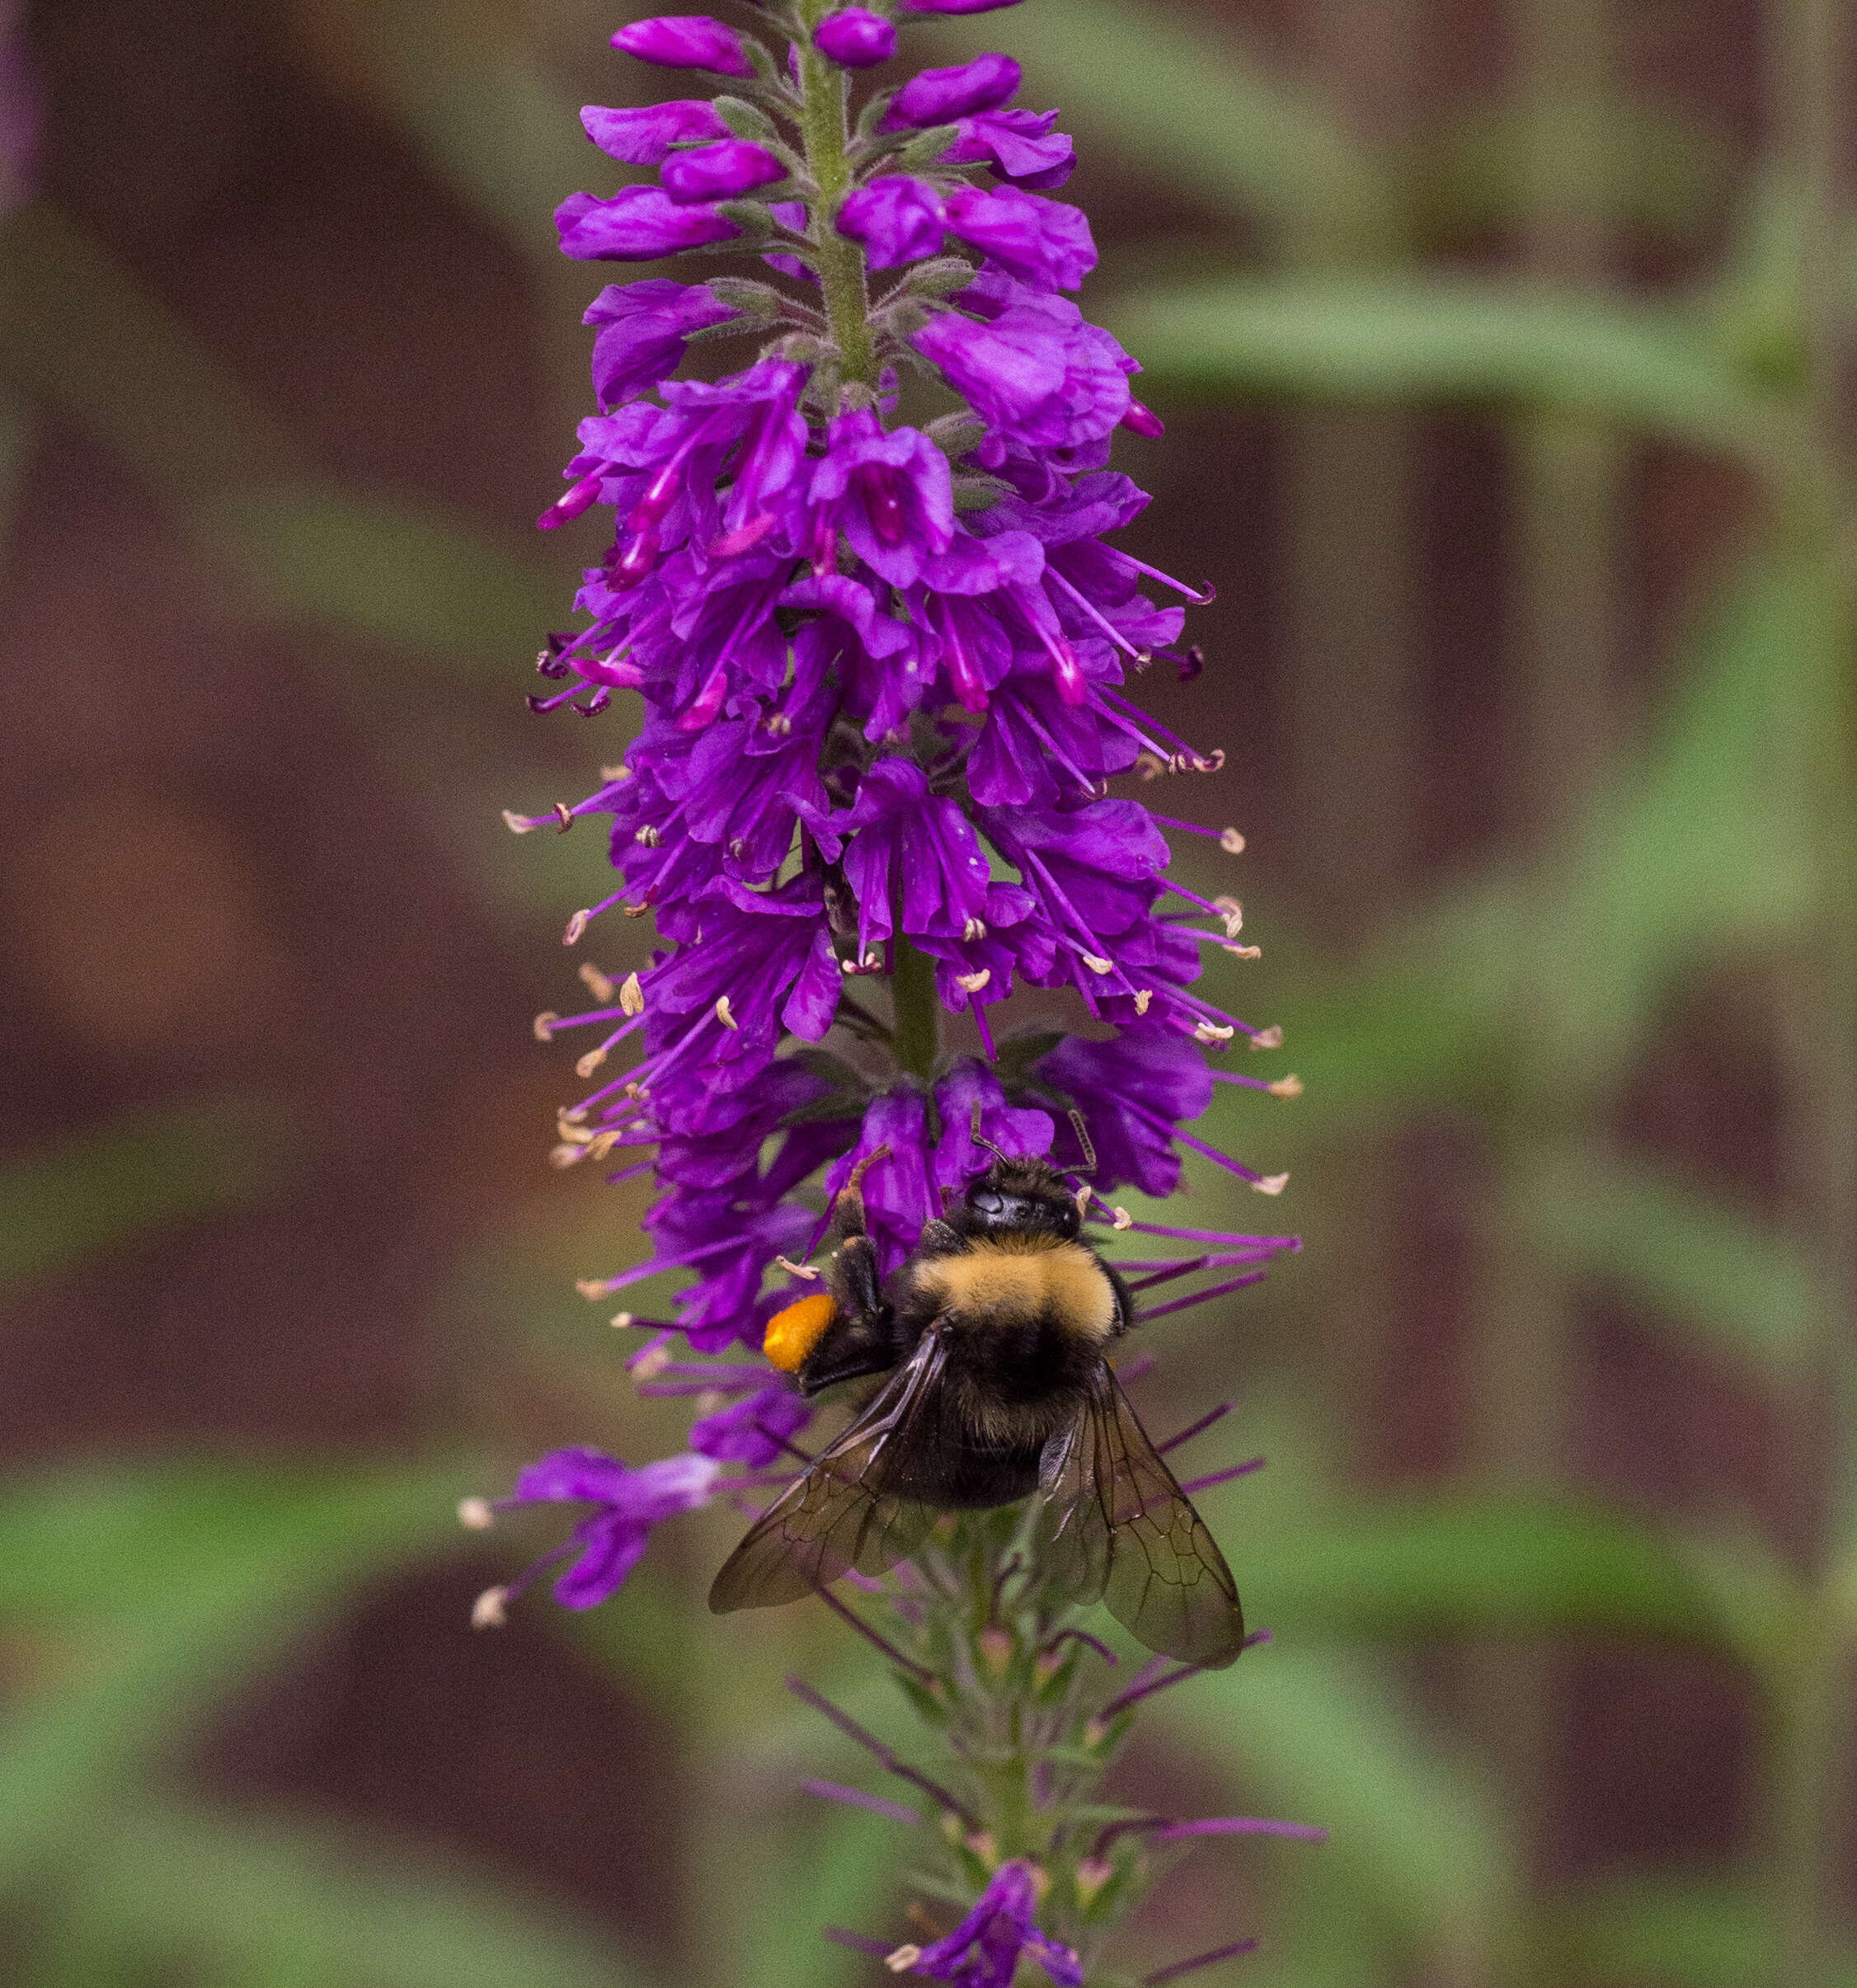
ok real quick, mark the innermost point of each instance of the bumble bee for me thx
(994, 1335)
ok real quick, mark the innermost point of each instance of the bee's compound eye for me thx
(986, 1200)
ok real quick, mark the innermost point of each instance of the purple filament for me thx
(855, 1797)
(1199, 1960)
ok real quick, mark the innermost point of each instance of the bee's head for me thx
(1023, 1196)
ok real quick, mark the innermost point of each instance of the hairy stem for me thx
(841, 262)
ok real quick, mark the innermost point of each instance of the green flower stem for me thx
(823, 87)
(918, 1012)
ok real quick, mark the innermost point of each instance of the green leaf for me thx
(1470, 1566)
(1427, 338)
(1195, 106)
(248, 1901)
(1315, 1737)
(153, 1170)
(1753, 1294)
(399, 572)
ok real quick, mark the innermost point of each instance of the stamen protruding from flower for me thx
(1287, 1086)
(517, 824)
(592, 1289)
(1272, 1184)
(1122, 1218)
(589, 1063)
(1143, 996)
(576, 925)
(1267, 1038)
(489, 1610)
(1231, 842)
(1097, 964)
(543, 1025)
(1212, 1031)
(973, 931)
(564, 817)
(620, 1319)
(1232, 913)
(973, 982)
(902, 1959)
(597, 984)
(475, 1515)
(809, 1271)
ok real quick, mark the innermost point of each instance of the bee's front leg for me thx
(861, 1338)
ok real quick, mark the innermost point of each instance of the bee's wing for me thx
(838, 1517)
(1117, 1526)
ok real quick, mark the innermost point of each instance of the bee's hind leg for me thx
(859, 1340)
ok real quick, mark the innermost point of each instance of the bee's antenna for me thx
(1083, 1141)
(974, 1134)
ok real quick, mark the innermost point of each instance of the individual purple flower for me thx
(644, 137)
(1045, 243)
(756, 1432)
(897, 218)
(722, 172)
(983, 1951)
(942, 97)
(608, 1543)
(686, 41)
(638, 224)
(890, 493)
(1036, 373)
(643, 330)
(1134, 1091)
(1021, 146)
(913, 850)
(856, 38)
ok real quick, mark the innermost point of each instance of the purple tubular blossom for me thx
(628, 1503)
(1036, 373)
(644, 137)
(983, 1951)
(1044, 243)
(685, 41)
(855, 38)
(941, 96)
(896, 219)
(722, 172)
(643, 330)
(638, 224)
(890, 494)
(1019, 145)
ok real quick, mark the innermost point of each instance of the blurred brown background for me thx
(1500, 346)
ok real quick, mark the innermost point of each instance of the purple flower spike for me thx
(898, 219)
(645, 137)
(722, 172)
(629, 1503)
(856, 38)
(686, 41)
(985, 1949)
(643, 327)
(941, 96)
(639, 224)
(1045, 243)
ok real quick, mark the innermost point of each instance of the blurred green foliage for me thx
(134, 1599)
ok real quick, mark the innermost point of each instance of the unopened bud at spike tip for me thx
(489, 1610)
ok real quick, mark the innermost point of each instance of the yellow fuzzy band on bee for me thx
(792, 1333)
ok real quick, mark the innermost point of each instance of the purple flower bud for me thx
(1045, 243)
(897, 218)
(686, 41)
(1143, 421)
(643, 327)
(720, 172)
(856, 38)
(940, 96)
(644, 138)
(639, 224)
(1019, 146)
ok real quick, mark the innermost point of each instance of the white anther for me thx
(592, 1289)
(597, 984)
(650, 1364)
(615, 772)
(517, 824)
(1096, 962)
(1268, 1038)
(1143, 996)
(780, 724)
(1272, 1184)
(798, 1270)
(1287, 1087)
(1231, 842)
(723, 1013)
(1082, 1197)
(631, 995)
(475, 1515)
(1244, 952)
(589, 1063)
(1212, 1031)
(1232, 913)
(1120, 1218)
(575, 926)
(902, 1960)
(570, 1115)
(488, 1611)
(648, 835)
(973, 982)
(563, 817)
(565, 1156)
(1150, 766)
(621, 1320)
(973, 931)
(543, 1025)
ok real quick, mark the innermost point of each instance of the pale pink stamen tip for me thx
(1287, 1087)
(592, 1289)
(518, 825)
(488, 1611)
(1231, 842)
(543, 1025)
(1268, 1038)
(475, 1515)
(631, 995)
(576, 925)
(1272, 1184)
(903, 1959)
